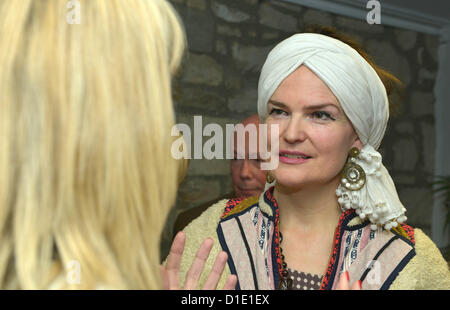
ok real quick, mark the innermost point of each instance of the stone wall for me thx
(228, 43)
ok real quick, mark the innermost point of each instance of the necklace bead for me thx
(285, 282)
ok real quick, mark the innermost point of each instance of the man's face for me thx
(248, 178)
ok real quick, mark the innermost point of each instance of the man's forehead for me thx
(246, 136)
(247, 146)
(253, 119)
(246, 155)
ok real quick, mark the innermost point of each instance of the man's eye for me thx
(322, 115)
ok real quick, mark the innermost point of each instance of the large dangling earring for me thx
(353, 176)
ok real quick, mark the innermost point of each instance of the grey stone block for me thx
(270, 17)
(405, 155)
(229, 14)
(202, 69)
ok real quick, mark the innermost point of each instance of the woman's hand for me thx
(170, 271)
(344, 283)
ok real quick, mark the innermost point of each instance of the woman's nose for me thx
(295, 131)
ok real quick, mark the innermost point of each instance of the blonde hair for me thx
(86, 113)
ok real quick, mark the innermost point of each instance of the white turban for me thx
(363, 98)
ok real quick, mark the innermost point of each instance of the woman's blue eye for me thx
(322, 115)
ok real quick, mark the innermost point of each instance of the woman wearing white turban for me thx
(330, 207)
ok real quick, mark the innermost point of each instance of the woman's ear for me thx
(357, 143)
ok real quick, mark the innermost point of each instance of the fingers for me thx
(216, 271)
(196, 269)
(344, 282)
(231, 283)
(165, 278)
(174, 260)
(170, 272)
(356, 285)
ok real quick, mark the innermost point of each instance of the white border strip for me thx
(390, 15)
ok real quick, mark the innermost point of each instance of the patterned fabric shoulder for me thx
(405, 231)
(237, 205)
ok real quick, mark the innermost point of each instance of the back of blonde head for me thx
(85, 117)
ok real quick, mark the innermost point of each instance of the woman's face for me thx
(315, 134)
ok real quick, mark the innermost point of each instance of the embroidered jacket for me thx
(247, 229)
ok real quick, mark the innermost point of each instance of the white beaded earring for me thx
(361, 169)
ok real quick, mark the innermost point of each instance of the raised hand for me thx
(171, 270)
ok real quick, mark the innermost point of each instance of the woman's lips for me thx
(290, 157)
